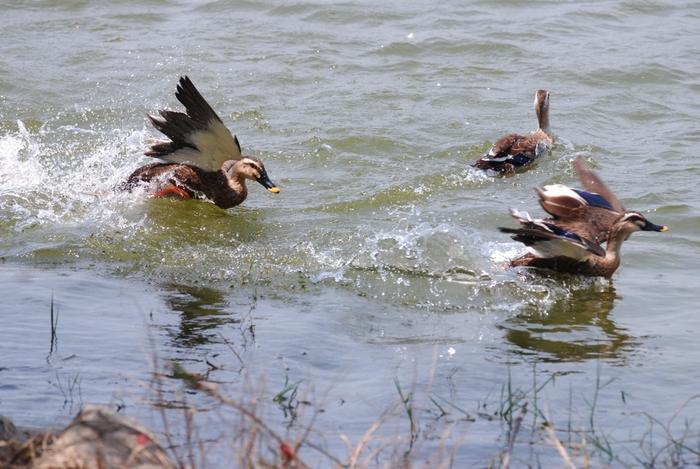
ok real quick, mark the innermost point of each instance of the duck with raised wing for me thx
(514, 151)
(201, 159)
(570, 241)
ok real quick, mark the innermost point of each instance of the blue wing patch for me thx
(562, 232)
(518, 160)
(594, 200)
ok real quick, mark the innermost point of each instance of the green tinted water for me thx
(380, 258)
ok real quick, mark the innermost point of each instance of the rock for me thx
(98, 438)
(13, 440)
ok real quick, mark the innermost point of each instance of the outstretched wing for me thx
(197, 137)
(545, 239)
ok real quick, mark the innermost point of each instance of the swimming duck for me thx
(202, 159)
(570, 241)
(513, 151)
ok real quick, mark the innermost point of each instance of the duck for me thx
(582, 220)
(201, 159)
(514, 151)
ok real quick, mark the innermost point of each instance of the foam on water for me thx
(53, 171)
(437, 267)
(56, 191)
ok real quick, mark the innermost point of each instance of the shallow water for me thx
(379, 261)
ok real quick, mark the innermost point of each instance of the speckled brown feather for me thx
(199, 184)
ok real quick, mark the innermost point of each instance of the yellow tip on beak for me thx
(665, 228)
(275, 190)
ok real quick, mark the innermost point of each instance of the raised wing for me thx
(198, 137)
(586, 214)
(592, 183)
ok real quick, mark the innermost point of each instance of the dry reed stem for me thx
(505, 462)
(557, 444)
(680, 409)
(357, 451)
(213, 391)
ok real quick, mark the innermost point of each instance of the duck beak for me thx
(649, 226)
(267, 184)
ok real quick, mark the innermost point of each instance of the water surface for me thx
(379, 262)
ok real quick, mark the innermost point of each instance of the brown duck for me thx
(514, 151)
(202, 159)
(570, 241)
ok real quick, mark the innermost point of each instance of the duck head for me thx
(250, 167)
(630, 222)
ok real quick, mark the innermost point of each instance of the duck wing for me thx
(513, 148)
(592, 183)
(546, 239)
(505, 146)
(584, 213)
(198, 137)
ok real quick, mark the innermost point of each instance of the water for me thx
(379, 262)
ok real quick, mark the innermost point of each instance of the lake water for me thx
(378, 267)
